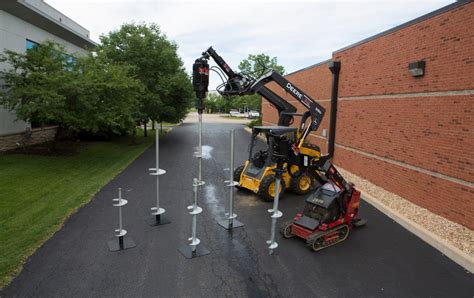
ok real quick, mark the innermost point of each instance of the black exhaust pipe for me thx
(335, 67)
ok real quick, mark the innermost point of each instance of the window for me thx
(70, 61)
(31, 44)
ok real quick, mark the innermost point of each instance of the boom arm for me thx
(315, 110)
(220, 62)
(239, 84)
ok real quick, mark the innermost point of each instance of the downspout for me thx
(335, 67)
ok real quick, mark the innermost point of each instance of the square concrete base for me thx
(225, 224)
(187, 252)
(157, 220)
(115, 245)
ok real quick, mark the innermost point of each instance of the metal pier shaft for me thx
(194, 248)
(276, 214)
(121, 242)
(156, 218)
(230, 220)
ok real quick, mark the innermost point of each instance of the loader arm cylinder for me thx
(220, 62)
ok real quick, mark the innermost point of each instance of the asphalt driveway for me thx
(381, 259)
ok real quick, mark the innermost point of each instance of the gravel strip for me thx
(456, 234)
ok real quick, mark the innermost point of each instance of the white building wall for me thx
(13, 35)
(58, 16)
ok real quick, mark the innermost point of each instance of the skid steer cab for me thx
(257, 173)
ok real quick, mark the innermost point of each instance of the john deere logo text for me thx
(319, 201)
(295, 92)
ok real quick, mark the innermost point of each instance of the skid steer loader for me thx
(256, 174)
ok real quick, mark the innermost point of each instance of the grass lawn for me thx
(37, 193)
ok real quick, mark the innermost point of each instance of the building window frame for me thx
(30, 44)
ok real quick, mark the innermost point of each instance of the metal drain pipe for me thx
(334, 67)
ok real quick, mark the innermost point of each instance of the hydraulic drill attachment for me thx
(200, 82)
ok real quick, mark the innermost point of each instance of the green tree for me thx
(176, 97)
(255, 66)
(35, 84)
(210, 102)
(249, 102)
(106, 97)
(85, 95)
(168, 91)
(216, 103)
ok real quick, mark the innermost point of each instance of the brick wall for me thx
(411, 136)
(38, 136)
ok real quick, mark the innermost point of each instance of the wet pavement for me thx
(381, 259)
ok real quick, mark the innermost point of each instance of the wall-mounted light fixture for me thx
(417, 68)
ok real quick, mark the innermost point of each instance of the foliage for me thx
(215, 103)
(251, 102)
(168, 91)
(254, 66)
(36, 84)
(85, 95)
(134, 76)
(106, 97)
(176, 98)
(257, 65)
(255, 122)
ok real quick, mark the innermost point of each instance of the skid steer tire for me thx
(266, 191)
(301, 184)
(237, 174)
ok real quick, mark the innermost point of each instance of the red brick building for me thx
(413, 136)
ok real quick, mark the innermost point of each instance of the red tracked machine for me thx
(330, 212)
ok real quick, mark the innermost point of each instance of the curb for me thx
(249, 130)
(455, 254)
(450, 251)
